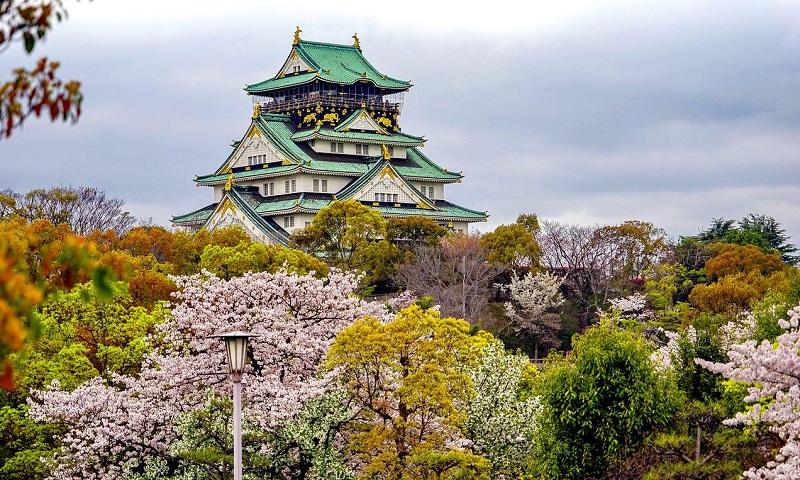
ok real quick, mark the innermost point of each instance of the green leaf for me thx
(101, 280)
(30, 41)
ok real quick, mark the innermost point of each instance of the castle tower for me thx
(325, 127)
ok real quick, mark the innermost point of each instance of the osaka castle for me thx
(325, 128)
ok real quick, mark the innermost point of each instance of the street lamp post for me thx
(236, 349)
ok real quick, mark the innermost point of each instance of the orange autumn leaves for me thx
(35, 260)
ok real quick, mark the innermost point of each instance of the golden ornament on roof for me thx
(356, 43)
(229, 183)
(385, 151)
(296, 36)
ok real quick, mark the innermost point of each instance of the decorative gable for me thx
(254, 149)
(226, 215)
(389, 186)
(361, 121)
(294, 65)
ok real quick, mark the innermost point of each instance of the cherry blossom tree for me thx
(772, 369)
(532, 296)
(125, 426)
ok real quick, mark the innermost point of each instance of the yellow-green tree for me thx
(514, 246)
(408, 378)
(351, 236)
(36, 260)
(248, 256)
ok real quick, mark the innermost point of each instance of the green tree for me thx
(407, 378)
(23, 443)
(697, 444)
(408, 232)
(513, 247)
(529, 221)
(248, 256)
(600, 403)
(760, 230)
(667, 287)
(774, 236)
(351, 236)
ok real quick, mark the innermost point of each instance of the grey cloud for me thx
(672, 113)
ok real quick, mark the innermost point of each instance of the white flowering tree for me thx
(772, 369)
(632, 307)
(500, 418)
(532, 298)
(136, 427)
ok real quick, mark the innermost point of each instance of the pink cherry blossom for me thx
(119, 423)
(773, 372)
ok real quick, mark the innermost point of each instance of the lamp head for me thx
(236, 349)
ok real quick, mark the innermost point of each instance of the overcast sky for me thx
(672, 112)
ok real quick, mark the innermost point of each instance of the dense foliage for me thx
(600, 403)
(110, 370)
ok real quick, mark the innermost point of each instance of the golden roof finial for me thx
(356, 43)
(385, 151)
(296, 36)
(229, 183)
(256, 110)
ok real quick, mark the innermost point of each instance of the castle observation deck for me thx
(310, 96)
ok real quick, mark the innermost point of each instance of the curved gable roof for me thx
(333, 63)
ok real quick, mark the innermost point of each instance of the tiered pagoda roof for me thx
(299, 158)
(330, 63)
(325, 93)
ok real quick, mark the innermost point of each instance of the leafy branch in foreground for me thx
(38, 90)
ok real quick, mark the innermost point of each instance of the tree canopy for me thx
(756, 229)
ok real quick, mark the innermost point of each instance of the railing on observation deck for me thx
(352, 102)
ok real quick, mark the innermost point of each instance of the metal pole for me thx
(237, 429)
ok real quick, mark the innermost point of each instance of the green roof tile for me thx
(246, 203)
(192, 218)
(418, 166)
(280, 132)
(397, 138)
(340, 64)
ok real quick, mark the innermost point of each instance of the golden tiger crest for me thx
(310, 118)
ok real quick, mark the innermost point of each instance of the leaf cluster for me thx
(407, 379)
(600, 403)
(37, 90)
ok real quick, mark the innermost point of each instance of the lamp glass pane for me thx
(237, 353)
